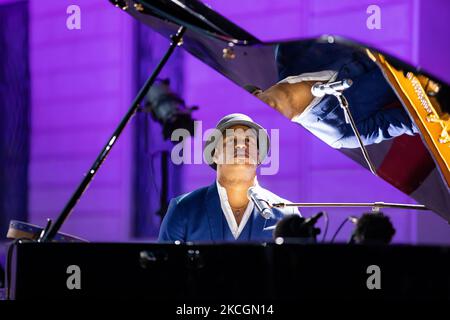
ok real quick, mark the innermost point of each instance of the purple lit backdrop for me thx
(82, 84)
(15, 113)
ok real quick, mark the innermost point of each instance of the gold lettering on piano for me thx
(432, 115)
(417, 93)
(444, 136)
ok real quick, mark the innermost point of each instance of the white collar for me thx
(228, 212)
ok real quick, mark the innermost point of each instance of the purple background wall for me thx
(82, 84)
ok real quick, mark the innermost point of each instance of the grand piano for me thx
(414, 135)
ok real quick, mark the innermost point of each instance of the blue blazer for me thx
(198, 216)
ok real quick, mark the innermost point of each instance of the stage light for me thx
(168, 109)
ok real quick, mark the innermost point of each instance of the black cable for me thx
(326, 225)
(338, 229)
(150, 155)
(152, 171)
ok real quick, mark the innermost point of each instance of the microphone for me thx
(353, 219)
(262, 206)
(296, 227)
(321, 89)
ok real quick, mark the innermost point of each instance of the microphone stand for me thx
(349, 119)
(52, 229)
(376, 206)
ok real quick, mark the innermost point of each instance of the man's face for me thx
(238, 147)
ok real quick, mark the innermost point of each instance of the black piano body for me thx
(224, 272)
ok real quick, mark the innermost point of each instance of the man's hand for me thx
(290, 99)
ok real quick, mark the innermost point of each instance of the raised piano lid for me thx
(407, 136)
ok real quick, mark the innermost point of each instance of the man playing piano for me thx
(222, 211)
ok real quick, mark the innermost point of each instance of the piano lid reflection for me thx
(373, 103)
(387, 119)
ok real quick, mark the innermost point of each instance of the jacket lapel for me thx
(259, 224)
(214, 212)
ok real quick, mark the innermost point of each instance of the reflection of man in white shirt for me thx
(375, 108)
(292, 96)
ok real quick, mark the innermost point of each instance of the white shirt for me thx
(228, 212)
(321, 76)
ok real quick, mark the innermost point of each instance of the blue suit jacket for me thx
(198, 216)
